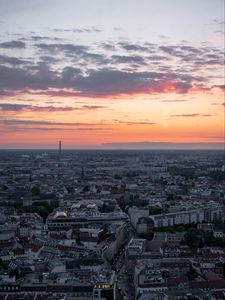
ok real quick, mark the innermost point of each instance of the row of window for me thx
(9, 288)
(16, 289)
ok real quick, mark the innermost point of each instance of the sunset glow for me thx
(95, 73)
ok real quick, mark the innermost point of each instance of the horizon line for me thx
(144, 145)
(113, 149)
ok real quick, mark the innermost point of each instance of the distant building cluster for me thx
(183, 212)
(112, 225)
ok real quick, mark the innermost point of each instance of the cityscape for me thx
(112, 224)
(112, 150)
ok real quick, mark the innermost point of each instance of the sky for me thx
(111, 74)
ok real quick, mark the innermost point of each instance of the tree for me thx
(210, 240)
(35, 190)
(86, 188)
(118, 177)
(191, 239)
(170, 197)
(4, 187)
(15, 273)
(217, 176)
(155, 210)
(42, 211)
(192, 274)
(148, 236)
(180, 228)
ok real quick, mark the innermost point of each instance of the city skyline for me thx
(103, 74)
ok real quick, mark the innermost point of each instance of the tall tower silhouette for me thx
(60, 147)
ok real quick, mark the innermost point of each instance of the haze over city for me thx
(112, 74)
(112, 150)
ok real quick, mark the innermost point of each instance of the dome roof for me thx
(60, 214)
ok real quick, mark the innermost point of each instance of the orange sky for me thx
(170, 117)
(93, 78)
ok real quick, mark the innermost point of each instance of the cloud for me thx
(108, 46)
(172, 50)
(97, 83)
(17, 79)
(69, 74)
(175, 100)
(185, 52)
(219, 22)
(103, 83)
(79, 30)
(87, 29)
(128, 59)
(140, 123)
(99, 59)
(6, 93)
(157, 58)
(191, 49)
(92, 107)
(55, 93)
(112, 82)
(25, 107)
(134, 47)
(18, 125)
(192, 115)
(221, 87)
(49, 60)
(19, 129)
(85, 73)
(118, 29)
(135, 123)
(162, 36)
(37, 122)
(208, 62)
(218, 103)
(4, 59)
(41, 38)
(200, 57)
(163, 145)
(67, 48)
(13, 44)
(220, 137)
